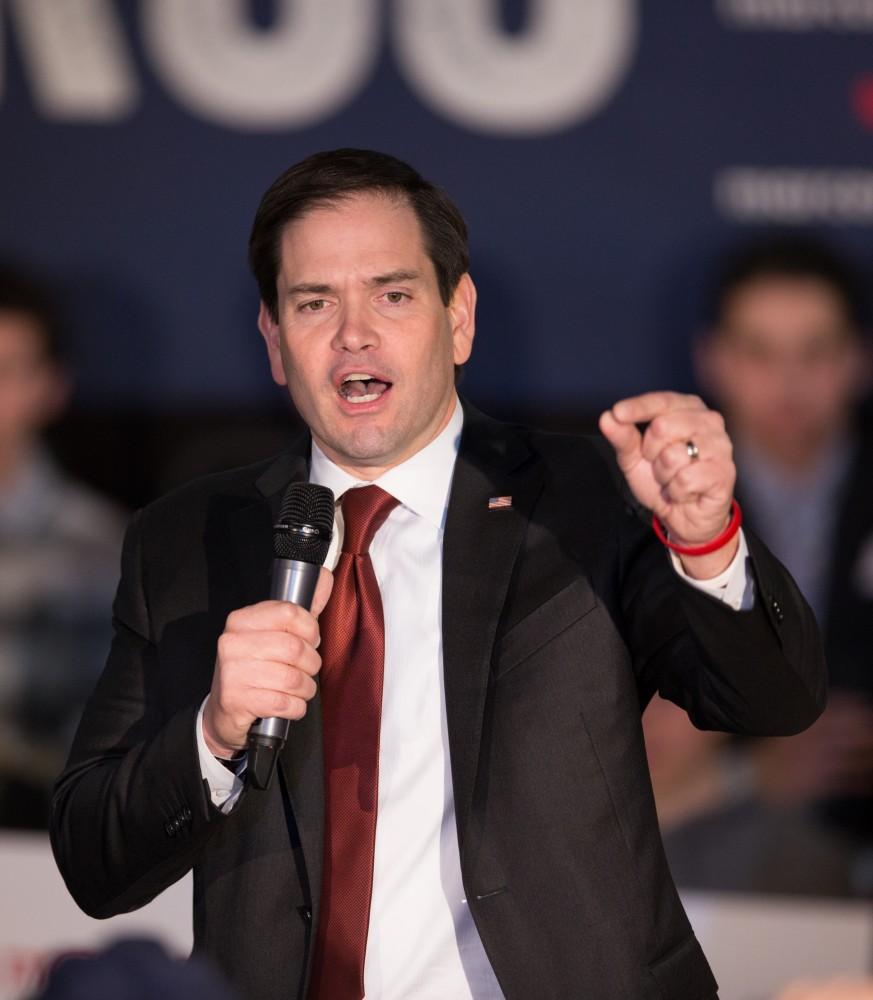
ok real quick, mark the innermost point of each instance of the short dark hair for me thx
(792, 256)
(326, 178)
(21, 292)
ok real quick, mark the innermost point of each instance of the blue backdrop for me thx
(601, 150)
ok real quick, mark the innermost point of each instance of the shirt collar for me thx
(28, 502)
(421, 483)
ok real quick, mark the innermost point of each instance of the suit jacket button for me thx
(170, 829)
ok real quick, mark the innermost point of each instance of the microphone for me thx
(301, 538)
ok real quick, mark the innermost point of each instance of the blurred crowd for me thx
(784, 356)
(141, 969)
(59, 552)
(786, 359)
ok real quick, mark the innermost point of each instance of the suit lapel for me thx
(480, 548)
(250, 527)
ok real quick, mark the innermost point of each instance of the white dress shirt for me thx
(422, 942)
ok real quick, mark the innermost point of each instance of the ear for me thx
(269, 328)
(707, 355)
(462, 315)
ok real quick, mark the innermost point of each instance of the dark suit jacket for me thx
(561, 617)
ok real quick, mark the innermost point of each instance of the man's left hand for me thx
(680, 467)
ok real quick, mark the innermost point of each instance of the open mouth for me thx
(361, 387)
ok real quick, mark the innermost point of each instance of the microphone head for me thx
(305, 525)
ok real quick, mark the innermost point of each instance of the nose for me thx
(355, 331)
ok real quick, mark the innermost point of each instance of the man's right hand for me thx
(265, 666)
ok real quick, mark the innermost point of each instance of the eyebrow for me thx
(391, 278)
(307, 288)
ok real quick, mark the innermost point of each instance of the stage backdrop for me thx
(602, 151)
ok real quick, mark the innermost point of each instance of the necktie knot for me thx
(365, 509)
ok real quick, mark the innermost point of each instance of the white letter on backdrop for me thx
(221, 66)
(560, 69)
(76, 57)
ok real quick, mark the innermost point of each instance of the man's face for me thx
(358, 296)
(31, 388)
(785, 367)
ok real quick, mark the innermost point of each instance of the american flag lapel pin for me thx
(499, 503)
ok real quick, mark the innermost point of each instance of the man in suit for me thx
(529, 613)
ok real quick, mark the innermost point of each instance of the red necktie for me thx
(353, 656)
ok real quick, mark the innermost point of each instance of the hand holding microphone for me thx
(267, 656)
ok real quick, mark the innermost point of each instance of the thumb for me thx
(322, 591)
(625, 438)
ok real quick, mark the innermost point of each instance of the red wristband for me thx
(702, 550)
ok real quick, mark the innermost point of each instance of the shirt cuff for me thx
(225, 786)
(734, 585)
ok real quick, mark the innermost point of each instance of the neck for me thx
(14, 456)
(795, 459)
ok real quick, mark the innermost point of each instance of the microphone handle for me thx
(293, 581)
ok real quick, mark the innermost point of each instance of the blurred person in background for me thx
(59, 549)
(786, 360)
(718, 833)
(134, 969)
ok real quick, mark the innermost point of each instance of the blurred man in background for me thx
(719, 833)
(786, 360)
(59, 546)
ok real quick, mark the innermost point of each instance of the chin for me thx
(367, 444)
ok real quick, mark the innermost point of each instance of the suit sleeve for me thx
(130, 813)
(758, 672)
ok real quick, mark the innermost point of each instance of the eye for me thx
(395, 298)
(314, 305)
